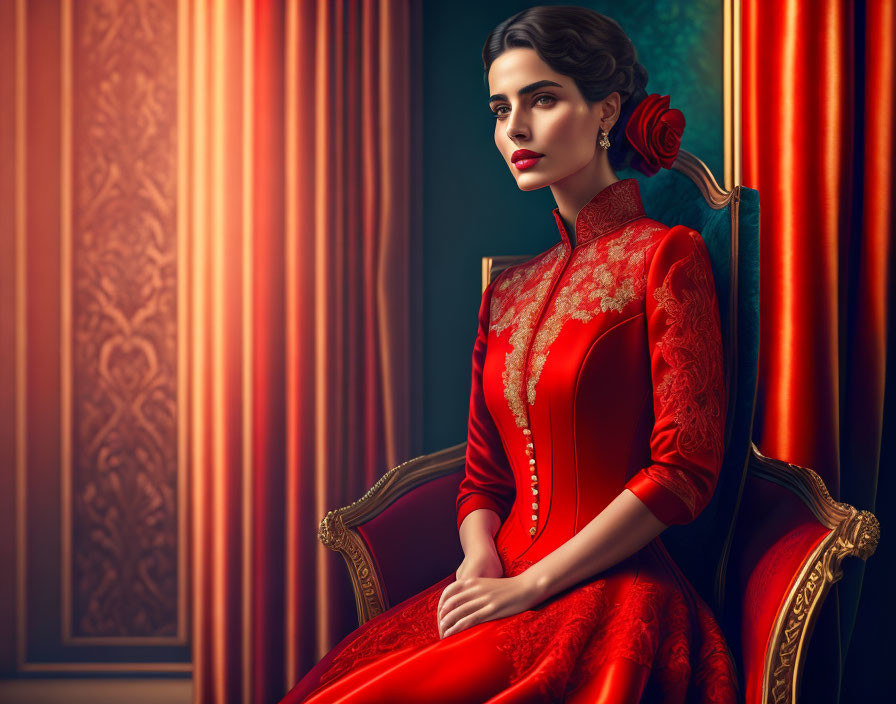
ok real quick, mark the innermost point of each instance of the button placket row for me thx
(566, 257)
(533, 479)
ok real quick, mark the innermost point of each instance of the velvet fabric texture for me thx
(598, 366)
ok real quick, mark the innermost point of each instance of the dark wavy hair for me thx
(585, 45)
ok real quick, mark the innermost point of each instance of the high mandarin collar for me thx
(610, 209)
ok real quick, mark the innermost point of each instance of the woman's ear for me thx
(609, 110)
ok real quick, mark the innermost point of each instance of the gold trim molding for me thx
(853, 533)
(731, 93)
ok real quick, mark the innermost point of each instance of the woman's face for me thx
(550, 117)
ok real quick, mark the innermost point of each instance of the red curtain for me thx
(818, 123)
(303, 263)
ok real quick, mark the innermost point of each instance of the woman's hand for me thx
(473, 600)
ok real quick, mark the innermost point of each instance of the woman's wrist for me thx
(538, 583)
(624, 526)
(477, 532)
(484, 546)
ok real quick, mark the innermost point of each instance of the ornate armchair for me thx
(764, 552)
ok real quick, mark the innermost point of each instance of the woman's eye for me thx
(496, 113)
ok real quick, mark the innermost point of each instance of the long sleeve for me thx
(689, 395)
(488, 479)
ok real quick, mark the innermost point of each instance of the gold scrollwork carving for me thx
(693, 167)
(853, 533)
(337, 529)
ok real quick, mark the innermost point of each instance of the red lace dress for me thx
(596, 368)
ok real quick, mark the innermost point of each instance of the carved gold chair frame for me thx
(852, 532)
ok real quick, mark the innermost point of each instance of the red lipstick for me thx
(525, 158)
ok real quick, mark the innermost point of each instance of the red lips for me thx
(523, 154)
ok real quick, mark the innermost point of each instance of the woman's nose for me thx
(516, 129)
(516, 134)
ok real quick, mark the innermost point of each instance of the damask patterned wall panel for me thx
(99, 468)
(123, 359)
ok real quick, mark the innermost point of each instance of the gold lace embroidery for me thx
(515, 305)
(690, 346)
(605, 275)
(610, 209)
(680, 484)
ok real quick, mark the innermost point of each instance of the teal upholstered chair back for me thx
(728, 221)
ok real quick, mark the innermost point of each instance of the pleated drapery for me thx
(301, 217)
(818, 84)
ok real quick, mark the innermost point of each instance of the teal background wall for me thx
(471, 204)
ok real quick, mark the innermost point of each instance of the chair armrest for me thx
(791, 540)
(386, 561)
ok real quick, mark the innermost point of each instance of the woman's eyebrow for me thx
(525, 89)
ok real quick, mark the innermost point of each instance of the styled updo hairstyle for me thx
(587, 46)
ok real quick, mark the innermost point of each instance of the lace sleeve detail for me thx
(684, 335)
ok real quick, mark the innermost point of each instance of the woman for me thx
(596, 418)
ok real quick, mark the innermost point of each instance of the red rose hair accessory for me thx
(654, 130)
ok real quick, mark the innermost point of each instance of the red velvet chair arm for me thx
(790, 541)
(400, 537)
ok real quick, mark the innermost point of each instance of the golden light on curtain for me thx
(301, 222)
(818, 121)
